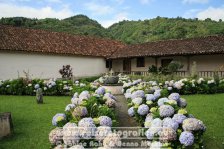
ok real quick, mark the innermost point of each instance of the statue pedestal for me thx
(6, 127)
(115, 90)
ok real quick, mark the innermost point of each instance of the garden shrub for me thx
(88, 79)
(66, 72)
(164, 115)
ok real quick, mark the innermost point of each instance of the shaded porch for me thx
(206, 65)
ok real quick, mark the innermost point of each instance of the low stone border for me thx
(6, 127)
(115, 90)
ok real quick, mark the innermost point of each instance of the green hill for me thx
(78, 24)
(127, 31)
(164, 28)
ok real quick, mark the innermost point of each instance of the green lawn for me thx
(209, 109)
(32, 122)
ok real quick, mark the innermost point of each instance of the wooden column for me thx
(188, 65)
(156, 61)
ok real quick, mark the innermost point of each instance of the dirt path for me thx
(127, 123)
(122, 113)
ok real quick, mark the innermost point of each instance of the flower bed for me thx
(50, 87)
(183, 86)
(86, 121)
(164, 115)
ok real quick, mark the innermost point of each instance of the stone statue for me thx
(39, 96)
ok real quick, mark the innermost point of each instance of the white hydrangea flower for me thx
(102, 132)
(167, 134)
(112, 140)
(56, 136)
(137, 101)
(70, 134)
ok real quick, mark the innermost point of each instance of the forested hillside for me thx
(126, 31)
(78, 24)
(164, 28)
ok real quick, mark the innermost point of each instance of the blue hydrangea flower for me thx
(57, 118)
(149, 134)
(131, 111)
(182, 103)
(161, 101)
(84, 95)
(186, 138)
(109, 95)
(150, 97)
(174, 96)
(168, 122)
(166, 111)
(179, 118)
(76, 101)
(69, 107)
(100, 91)
(105, 121)
(80, 111)
(138, 94)
(85, 121)
(157, 94)
(143, 109)
(87, 128)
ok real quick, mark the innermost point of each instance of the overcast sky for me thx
(107, 12)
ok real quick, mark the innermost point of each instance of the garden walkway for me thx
(127, 123)
(122, 113)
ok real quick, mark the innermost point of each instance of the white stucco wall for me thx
(208, 62)
(47, 66)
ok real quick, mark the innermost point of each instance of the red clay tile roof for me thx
(193, 46)
(40, 41)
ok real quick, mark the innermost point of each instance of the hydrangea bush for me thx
(163, 113)
(23, 86)
(87, 118)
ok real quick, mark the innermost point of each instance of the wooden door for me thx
(127, 65)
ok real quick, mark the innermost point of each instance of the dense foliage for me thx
(78, 24)
(50, 87)
(126, 31)
(171, 68)
(164, 28)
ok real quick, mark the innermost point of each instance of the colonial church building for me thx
(42, 53)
